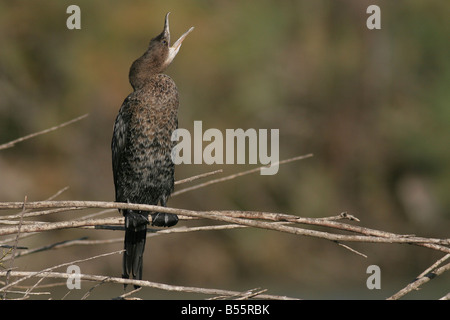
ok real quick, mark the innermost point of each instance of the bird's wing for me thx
(119, 137)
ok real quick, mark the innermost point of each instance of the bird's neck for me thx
(142, 71)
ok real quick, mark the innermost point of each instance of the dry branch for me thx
(239, 174)
(430, 273)
(13, 143)
(367, 235)
(264, 220)
(203, 175)
(84, 242)
(142, 283)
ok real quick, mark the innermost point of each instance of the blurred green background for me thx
(371, 105)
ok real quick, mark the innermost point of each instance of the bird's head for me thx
(158, 56)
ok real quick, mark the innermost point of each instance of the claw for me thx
(162, 219)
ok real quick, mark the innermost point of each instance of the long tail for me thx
(135, 235)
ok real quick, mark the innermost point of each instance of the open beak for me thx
(173, 50)
(176, 46)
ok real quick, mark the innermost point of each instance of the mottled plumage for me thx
(141, 146)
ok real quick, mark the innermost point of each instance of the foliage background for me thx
(373, 107)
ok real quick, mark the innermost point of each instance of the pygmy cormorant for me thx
(141, 145)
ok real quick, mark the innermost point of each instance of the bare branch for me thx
(13, 143)
(234, 219)
(83, 241)
(143, 283)
(233, 176)
(203, 175)
(430, 273)
(39, 273)
(369, 235)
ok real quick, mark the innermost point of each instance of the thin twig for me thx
(12, 143)
(203, 175)
(37, 213)
(434, 265)
(84, 241)
(87, 294)
(28, 292)
(59, 192)
(351, 249)
(251, 293)
(5, 246)
(47, 270)
(59, 244)
(430, 273)
(141, 283)
(127, 294)
(39, 227)
(233, 176)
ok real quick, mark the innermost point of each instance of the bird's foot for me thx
(162, 219)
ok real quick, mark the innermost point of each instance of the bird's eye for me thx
(164, 42)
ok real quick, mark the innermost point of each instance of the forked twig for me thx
(430, 273)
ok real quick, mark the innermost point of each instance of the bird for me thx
(141, 146)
